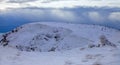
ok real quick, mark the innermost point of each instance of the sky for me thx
(14, 13)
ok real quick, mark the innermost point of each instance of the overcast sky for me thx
(5, 4)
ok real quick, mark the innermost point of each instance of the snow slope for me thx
(78, 56)
(70, 41)
(49, 37)
(91, 32)
(41, 37)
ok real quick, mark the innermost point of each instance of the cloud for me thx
(102, 16)
(114, 16)
(64, 15)
(1, 0)
(5, 6)
(58, 3)
(95, 16)
(19, 1)
(74, 3)
(41, 15)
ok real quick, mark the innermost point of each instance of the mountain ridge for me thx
(51, 36)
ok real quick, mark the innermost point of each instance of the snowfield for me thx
(50, 43)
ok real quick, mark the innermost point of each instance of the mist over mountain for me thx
(14, 13)
(86, 15)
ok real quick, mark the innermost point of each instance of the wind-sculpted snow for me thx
(39, 37)
(45, 37)
(74, 44)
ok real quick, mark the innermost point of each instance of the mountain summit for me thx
(56, 36)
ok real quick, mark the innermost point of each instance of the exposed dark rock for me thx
(91, 45)
(52, 49)
(104, 41)
(4, 40)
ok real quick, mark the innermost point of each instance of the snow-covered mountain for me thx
(42, 37)
(56, 36)
(75, 44)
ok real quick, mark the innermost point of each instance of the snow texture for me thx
(59, 44)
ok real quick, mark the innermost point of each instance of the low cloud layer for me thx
(20, 1)
(114, 16)
(95, 16)
(100, 16)
(5, 4)
(14, 13)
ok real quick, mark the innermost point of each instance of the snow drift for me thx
(45, 37)
(41, 37)
(80, 41)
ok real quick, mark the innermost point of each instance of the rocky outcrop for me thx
(104, 41)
